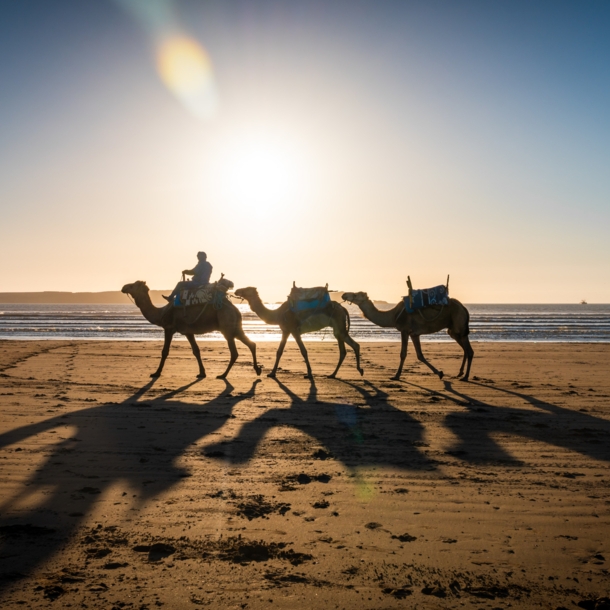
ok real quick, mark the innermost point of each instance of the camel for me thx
(454, 317)
(333, 315)
(191, 321)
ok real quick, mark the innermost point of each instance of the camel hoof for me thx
(155, 375)
(395, 378)
(361, 371)
(441, 374)
(271, 374)
(201, 376)
(258, 370)
(464, 379)
(221, 376)
(332, 376)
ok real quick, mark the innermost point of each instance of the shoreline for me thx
(351, 492)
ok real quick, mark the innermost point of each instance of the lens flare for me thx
(365, 490)
(186, 70)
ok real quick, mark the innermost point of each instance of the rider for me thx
(201, 273)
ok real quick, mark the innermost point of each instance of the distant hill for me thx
(115, 296)
(111, 296)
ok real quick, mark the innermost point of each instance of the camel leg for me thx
(421, 357)
(457, 339)
(341, 332)
(468, 354)
(280, 351)
(252, 347)
(297, 338)
(169, 334)
(404, 340)
(463, 364)
(197, 354)
(342, 352)
(234, 354)
(356, 349)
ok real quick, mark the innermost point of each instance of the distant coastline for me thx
(108, 297)
(52, 297)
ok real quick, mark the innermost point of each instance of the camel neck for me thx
(270, 316)
(381, 318)
(149, 311)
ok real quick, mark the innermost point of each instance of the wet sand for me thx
(119, 492)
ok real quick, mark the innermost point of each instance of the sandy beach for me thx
(360, 492)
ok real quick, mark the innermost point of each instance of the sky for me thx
(351, 143)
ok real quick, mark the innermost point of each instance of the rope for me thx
(198, 315)
(419, 311)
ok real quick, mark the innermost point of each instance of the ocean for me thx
(538, 323)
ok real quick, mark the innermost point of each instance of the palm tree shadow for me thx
(550, 424)
(357, 435)
(131, 444)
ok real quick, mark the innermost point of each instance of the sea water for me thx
(547, 323)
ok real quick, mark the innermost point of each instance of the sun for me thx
(260, 172)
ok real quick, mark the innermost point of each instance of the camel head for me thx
(135, 289)
(246, 293)
(356, 297)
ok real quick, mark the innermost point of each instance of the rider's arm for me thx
(189, 272)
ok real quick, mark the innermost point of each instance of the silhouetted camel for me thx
(454, 317)
(333, 315)
(191, 321)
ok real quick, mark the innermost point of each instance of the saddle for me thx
(418, 299)
(215, 293)
(308, 299)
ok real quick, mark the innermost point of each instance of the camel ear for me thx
(326, 285)
(294, 284)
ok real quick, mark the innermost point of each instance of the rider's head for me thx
(201, 256)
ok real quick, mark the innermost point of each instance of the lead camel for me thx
(193, 321)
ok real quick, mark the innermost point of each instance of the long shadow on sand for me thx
(549, 423)
(371, 434)
(135, 444)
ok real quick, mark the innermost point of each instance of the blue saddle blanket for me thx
(425, 297)
(308, 305)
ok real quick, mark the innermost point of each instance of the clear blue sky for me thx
(351, 143)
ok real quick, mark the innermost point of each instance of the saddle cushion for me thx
(308, 294)
(200, 295)
(308, 299)
(425, 297)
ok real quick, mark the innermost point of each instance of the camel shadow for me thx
(549, 424)
(134, 444)
(371, 434)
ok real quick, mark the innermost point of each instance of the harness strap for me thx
(431, 319)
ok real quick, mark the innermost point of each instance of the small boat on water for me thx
(583, 302)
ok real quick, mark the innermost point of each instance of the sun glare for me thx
(260, 173)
